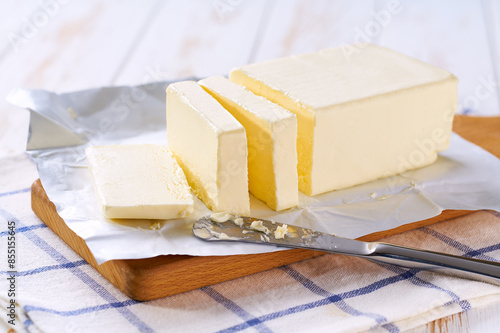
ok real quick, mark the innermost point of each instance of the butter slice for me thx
(361, 116)
(211, 147)
(138, 182)
(271, 137)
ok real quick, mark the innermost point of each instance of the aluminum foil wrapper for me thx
(464, 177)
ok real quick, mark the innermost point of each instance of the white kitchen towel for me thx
(57, 291)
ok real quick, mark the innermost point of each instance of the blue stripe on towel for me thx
(23, 190)
(468, 251)
(42, 269)
(338, 299)
(24, 229)
(465, 305)
(77, 312)
(27, 323)
(481, 251)
(236, 309)
(328, 301)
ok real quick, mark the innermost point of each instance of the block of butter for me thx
(361, 116)
(271, 137)
(211, 147)
(138, 182)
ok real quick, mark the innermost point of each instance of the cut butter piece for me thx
(211, 147)
(362, 115)
(271, 137)
(138, 182)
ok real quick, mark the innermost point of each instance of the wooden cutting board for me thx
(152, 278)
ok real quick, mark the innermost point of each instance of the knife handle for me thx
(469, 268)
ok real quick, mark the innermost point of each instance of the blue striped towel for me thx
(57, 291)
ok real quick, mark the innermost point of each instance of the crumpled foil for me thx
(464, 177)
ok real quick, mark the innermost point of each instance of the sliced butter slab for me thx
(271, 137)
(362, 115)
(139, 182)
(211, 147)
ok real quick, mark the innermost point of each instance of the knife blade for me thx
(225, 227)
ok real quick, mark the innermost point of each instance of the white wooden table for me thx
(65, 45)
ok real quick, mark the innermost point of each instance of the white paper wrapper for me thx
(63, 125)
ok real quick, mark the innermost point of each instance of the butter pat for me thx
(361, 116)
(211, 148)
(271, 137)
(138, 182)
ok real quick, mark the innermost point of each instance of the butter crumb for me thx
(281, 231)
(71, 112)
(238, 221)
(223, 236)
(258, 226)
(220, 217)
(375, 196)
(383, 197)
(155, 226)
(186, 212)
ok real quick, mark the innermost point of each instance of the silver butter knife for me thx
(224, 227)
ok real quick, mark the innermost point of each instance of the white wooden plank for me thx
(301, 26)
(450, 34)
(82, 46)
(484, 319)
(194, 38)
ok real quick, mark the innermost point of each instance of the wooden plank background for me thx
(64, 45)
